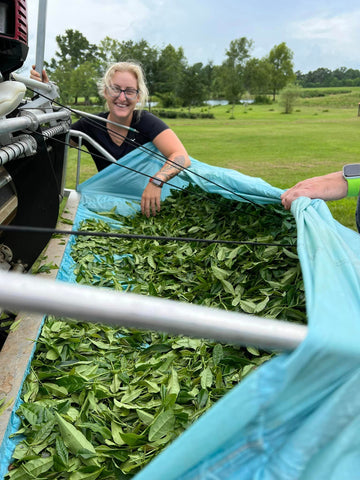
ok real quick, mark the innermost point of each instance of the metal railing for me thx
(99, 305)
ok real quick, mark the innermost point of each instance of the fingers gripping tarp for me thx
(298, 416)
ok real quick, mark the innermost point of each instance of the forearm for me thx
(174, 165)
(175, 154)
(327, 187)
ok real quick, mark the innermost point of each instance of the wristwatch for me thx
(351, 174)
(156, 181)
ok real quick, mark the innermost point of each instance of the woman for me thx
(124, 89)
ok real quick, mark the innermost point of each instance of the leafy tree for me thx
(83, 82)
(193, 88)
(170, 69)
(281, 67)
(207, 75)
(109, 51)
(256, 76)
(323, 77)
(74, 48)
(288, 97)
(231, 73)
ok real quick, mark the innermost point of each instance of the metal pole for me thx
(78, 163)
(31, 120)
(100, 149)
(40, 41)
(97, 305)
(45, 88)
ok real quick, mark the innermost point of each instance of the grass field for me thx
(319, 137)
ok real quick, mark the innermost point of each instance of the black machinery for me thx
(33, 138)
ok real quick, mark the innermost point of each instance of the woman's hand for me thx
(34, 75)
(150, 200)
(327, 187)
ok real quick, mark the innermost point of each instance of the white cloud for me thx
(204, 30)
(95, 20)
(330, 41)
(338, 31)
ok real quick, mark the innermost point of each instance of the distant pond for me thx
(213, 103)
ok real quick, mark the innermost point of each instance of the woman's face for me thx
(121, 104)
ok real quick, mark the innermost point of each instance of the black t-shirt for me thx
(148, 125)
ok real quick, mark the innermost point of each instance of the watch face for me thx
(352, 170)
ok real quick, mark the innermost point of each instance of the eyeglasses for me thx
(115, 92)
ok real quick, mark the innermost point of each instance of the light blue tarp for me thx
(298, 416)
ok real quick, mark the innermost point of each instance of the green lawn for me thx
(319, 137)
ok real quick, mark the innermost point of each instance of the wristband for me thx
(351, 174)
(156, 181)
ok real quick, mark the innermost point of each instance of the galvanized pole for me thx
(40, 41)
(33, 294)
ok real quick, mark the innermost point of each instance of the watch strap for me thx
(156, 181)
(353, 186)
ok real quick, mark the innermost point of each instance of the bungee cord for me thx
(52, 231)
(133, 236)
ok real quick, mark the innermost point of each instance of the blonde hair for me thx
(129, 66)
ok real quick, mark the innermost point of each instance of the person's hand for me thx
(327, 187)
(34, 75)
(150, 200)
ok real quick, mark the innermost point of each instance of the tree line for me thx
(323, 77)
(78, 64)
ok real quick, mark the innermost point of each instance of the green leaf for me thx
(206, 378)
(75, 440)
(248, 306)
(133, 439)
(219, 273)
(151, 262)
(35, 468)
(35, 413)
(145, 417)
(116, 432)
(162, 425)
(61, 451)
(218, 353)
(86, 473)
(56, 390)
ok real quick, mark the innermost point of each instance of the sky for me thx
(321, 33)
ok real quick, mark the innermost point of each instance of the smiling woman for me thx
(129, 127)
(124, 89)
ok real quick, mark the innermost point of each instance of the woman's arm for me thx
(177, 159)
(171, 147)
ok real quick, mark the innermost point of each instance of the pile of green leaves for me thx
(100, 402)
(256, 279)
